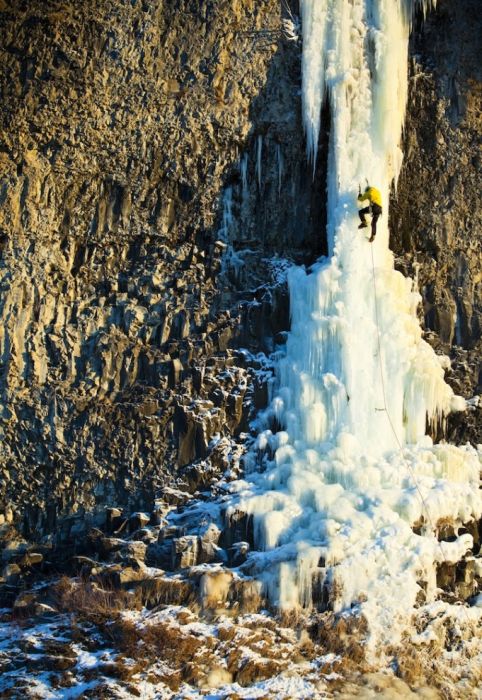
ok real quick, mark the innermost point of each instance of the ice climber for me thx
(374, 208)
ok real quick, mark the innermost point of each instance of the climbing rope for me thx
(385, 409)
(384, 393)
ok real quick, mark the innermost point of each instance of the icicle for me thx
(231, 260)
(227, 214)
(259, 152)
(313, 22)
(244, 174)
(279, 160)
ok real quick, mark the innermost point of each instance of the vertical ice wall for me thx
(337, 377)
(334, 498)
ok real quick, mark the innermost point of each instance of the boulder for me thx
(184, 552)
(131, 550)
(159, 555)
(138, 521)
(31, 559)
(113, 519)
(11, 573)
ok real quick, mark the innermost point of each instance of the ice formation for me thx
(334, 492)
(279, 161)
(244, 175)
(259, 160)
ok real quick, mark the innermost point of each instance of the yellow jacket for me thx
(372, 194)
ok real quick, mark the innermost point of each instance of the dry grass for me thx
(254, 671)
(252, 649)
(342, 635)
(161, 591)
(197, 660)
(222, 594)
(96, 603)
(293, 619)
(154, 641)
(189, 657)
(423, 667)
(245, 596)
(410, 666)
(441, 663)
(141, 645)
(90, 601)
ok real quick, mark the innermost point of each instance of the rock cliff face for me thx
(152, 183)
(124, 124)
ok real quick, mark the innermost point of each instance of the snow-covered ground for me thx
(66, 657)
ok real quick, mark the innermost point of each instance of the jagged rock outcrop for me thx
(152, 179)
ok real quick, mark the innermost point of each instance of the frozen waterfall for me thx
(335, 491)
